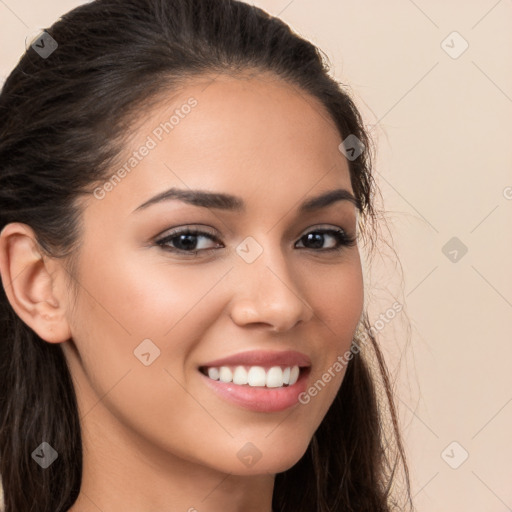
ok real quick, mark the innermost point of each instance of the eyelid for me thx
(192, 229)
(319, 227)
(201, 229)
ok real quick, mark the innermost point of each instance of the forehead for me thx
(243, 134)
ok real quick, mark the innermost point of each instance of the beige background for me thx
(443, 127)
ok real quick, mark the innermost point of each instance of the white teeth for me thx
(294, 375)
(213, 373)
(275, 377)
(225, 374)
(240, 376)
(256, 376)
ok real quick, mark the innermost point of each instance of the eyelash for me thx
(343, 239)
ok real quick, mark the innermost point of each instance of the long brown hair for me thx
(63, 120)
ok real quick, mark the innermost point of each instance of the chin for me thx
(268, 461)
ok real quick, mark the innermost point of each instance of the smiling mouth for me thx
(255, 376)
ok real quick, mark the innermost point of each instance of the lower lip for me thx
(260, 399)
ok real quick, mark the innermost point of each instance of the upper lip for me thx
(263, 358)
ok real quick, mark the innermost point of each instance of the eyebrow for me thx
(232, 203)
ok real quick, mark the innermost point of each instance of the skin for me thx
(147, 429)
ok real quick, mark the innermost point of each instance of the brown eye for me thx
(186, 241)
(316, 239)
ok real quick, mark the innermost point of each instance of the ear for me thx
(33, 283)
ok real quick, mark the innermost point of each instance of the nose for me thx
(268, 295)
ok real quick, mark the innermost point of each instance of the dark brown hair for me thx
(63, 122)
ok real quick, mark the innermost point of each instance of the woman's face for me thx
(268, 283)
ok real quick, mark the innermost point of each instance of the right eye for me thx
(184, 241)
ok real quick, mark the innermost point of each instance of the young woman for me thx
(184, 193)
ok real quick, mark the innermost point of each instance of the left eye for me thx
(186, 241)
(341, 238)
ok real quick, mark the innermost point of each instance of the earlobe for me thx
(31, 284)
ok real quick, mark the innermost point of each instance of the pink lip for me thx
(263, 358)
(260, 399)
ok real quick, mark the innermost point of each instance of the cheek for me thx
(150, 300)
(337, 297)
(128, 309)
(125, 305)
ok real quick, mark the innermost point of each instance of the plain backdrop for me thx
(433, 80)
